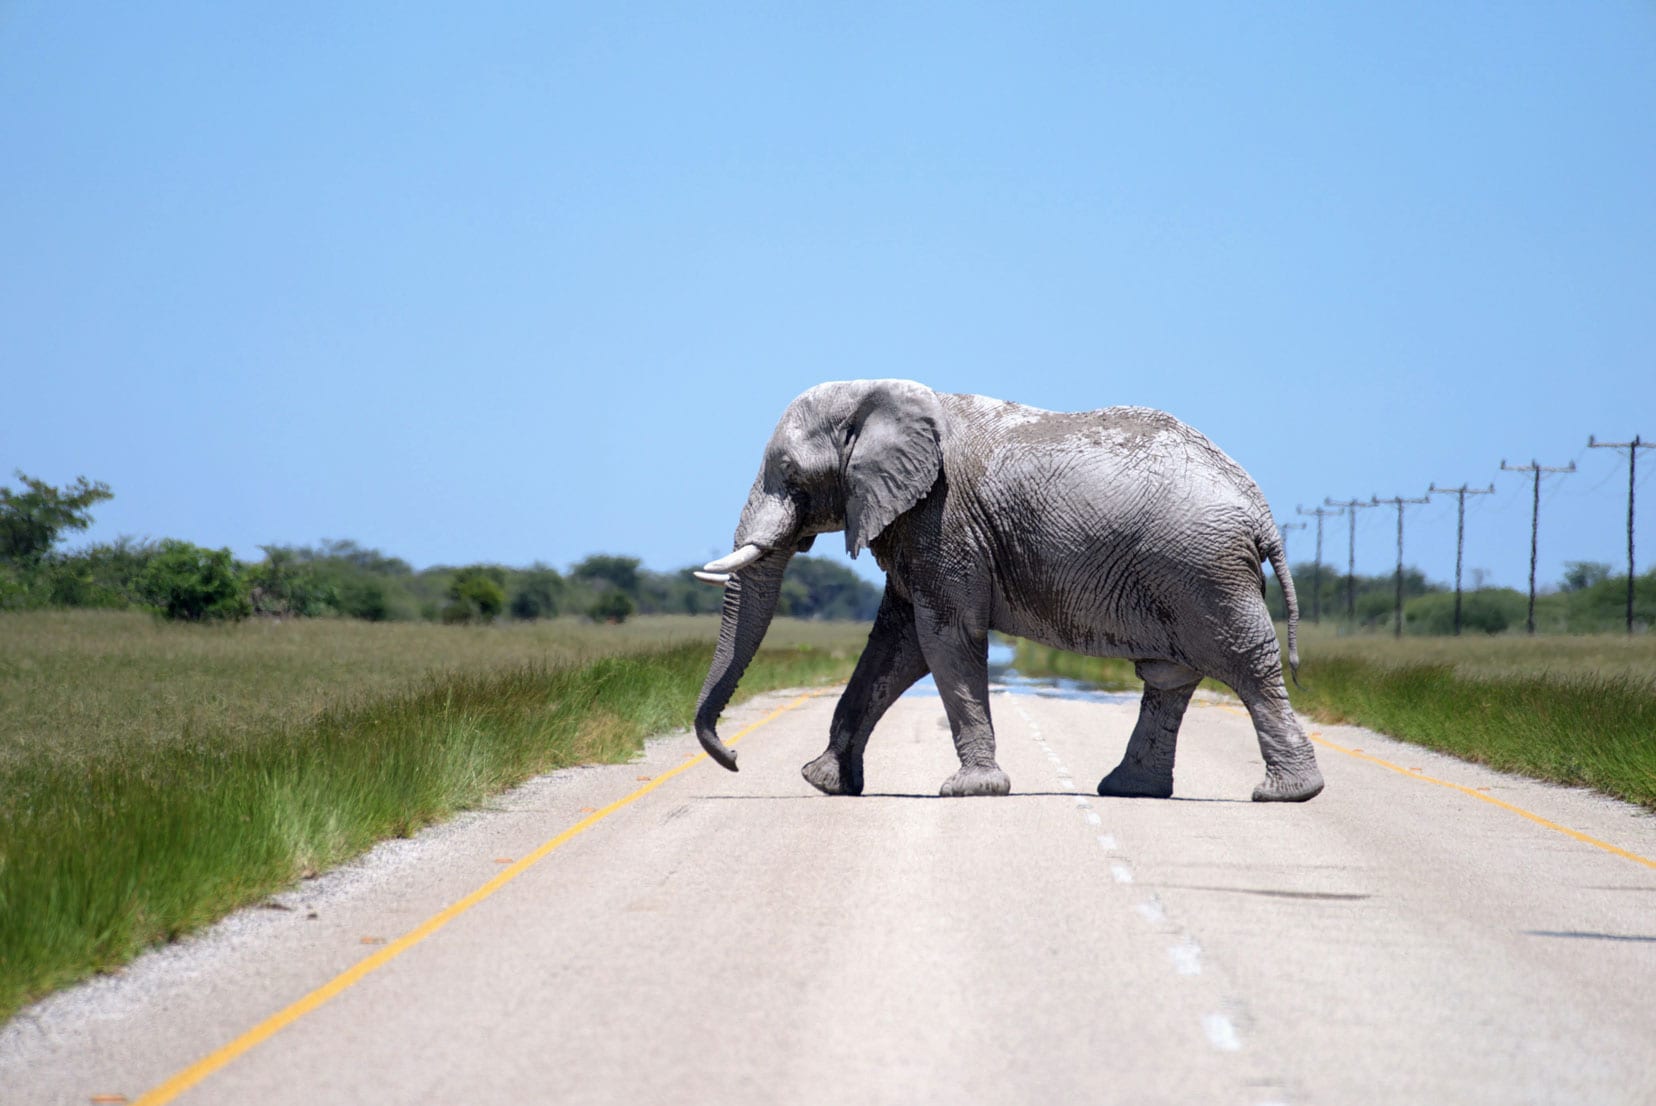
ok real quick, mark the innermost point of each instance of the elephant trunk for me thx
(749, 603)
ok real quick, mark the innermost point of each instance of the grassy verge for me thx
(1518, 708)
(80, 682)
(108, 851)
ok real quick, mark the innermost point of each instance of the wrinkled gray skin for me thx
(1115, 533)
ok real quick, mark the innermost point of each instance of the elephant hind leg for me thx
(1252, 666)
(1146, 768)
(1291, 772)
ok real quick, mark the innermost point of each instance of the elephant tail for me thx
(1272, 548)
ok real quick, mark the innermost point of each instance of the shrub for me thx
(359, 595)
(477, 593)
(15, 594)
(189, 583)
(538, 594)
(1488, 611)
(603, 569)
(283, 584)
(612, 606)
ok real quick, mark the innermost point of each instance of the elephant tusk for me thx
(736, 561)
(719, 578)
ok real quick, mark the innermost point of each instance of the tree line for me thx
(340, 578)
(1590, 599)
(344, 579)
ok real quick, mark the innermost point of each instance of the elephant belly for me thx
(1093, 634)
(1118, 596)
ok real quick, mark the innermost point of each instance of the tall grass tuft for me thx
(105, 854)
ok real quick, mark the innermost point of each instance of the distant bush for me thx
(282, 584)
(189, 583)
(815, 587)
(1601, 605)
(538, 592)
(359, 595)
(606, 570)
(612, 606)
(476, 594)
(15, 594)
(1486, 611)
(69, 582)
(337, 577)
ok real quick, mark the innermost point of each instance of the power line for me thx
(1316, 572)
(1351, 507)
(1460, 494)
(1398, 501)
(1611, 474)
(1535, 521)
(1632, 448)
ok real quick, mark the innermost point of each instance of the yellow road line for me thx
(1577, 835)
(1491, 800)
(207, 1065)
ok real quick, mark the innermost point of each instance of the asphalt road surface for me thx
(1425, 931)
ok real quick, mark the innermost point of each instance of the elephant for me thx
(1119, 532)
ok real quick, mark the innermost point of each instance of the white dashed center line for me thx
(1221, 1033)
(1186, 956)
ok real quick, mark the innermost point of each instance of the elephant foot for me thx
(1136, 782)
(830, 777)
(1285, 787)
(976, 780)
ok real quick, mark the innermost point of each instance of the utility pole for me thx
(1316, 573)
(1632, 448)
(1398, 502)
(1351, 507)
(1535, 522)
(1460, 534)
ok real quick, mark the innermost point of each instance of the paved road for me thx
(738, 938)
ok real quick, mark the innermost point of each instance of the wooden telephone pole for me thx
(1351, 506)
(1316, 572)
(1398, 502)
(1460, 534)
(1535, 522)
(1632, 448)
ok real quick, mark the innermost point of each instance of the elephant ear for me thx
(893, 457)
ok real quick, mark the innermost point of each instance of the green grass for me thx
(117, 833)
(1482, 656)
(1578, 711)
(82, 681)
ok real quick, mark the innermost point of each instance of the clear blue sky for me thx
(525, 282)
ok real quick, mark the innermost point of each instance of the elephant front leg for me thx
(1146, 768)
(960, 664)
(890, 664)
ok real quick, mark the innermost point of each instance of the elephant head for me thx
(849, 456)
